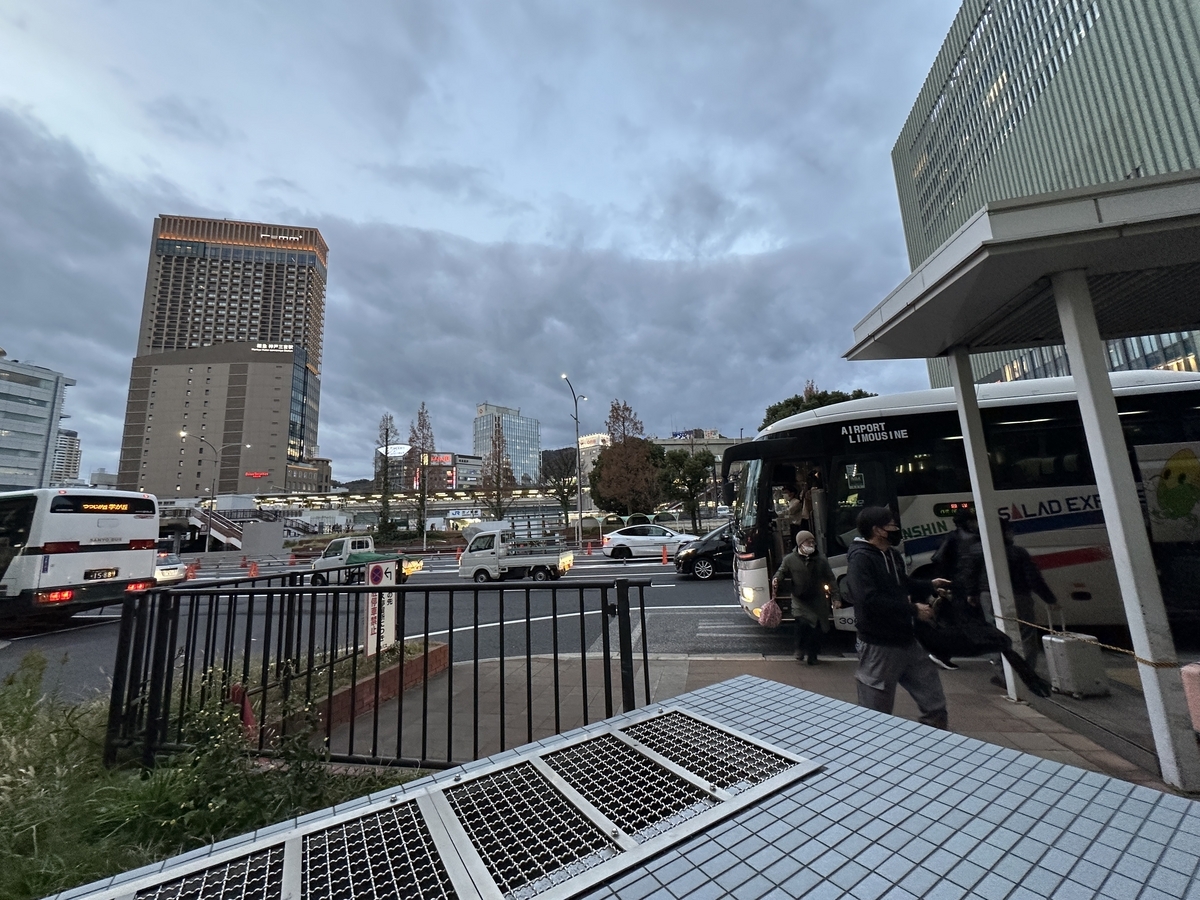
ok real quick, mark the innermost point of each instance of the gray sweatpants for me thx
(881, 668)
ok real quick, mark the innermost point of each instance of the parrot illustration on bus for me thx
(1178, 488)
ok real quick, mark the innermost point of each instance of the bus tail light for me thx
(135, 587)
(143, 545)
(55, 596)
(60, 547)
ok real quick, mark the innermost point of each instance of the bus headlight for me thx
(747, 595)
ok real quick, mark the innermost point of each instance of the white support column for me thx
(1158, 666)
(994, 555)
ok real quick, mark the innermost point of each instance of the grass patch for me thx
(66, 820)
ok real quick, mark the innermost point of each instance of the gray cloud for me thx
(417, 316)
(468, 184)
(74, 263)
(189, 119)
(696, 197)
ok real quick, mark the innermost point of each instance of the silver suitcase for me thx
(1075, 662)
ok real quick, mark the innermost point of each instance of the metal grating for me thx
(529, 837)
(641, 797)
(258, 876)
(720, 758)
(386, 855)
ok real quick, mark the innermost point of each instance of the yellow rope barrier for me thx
(1145, 662)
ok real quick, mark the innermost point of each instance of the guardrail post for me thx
(625, 645)
(116, 702)
(155, 728)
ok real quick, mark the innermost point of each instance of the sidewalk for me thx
(977, 708)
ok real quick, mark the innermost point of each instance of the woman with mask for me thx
(812, 582)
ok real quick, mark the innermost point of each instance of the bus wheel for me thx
(482, 577)
(319, 580)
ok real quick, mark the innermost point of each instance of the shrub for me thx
(65, 820)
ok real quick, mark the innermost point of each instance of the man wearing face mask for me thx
(882, 592)
(812, 581)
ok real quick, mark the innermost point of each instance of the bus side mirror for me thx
(728, 493)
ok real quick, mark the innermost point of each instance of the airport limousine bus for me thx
(906, 451)
(64, 550)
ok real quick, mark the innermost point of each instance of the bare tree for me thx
(416, 463)
(388, 436)
(625, 477)
(558, 477)
(496, 478)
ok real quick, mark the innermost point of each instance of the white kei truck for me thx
(358, 551)
(497, 555)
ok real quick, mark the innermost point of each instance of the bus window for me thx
(940, 470)
(1037, 446)
(858, 481)
(16, 518)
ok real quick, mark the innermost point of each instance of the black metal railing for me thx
(428, 676)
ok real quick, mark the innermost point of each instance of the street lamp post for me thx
(212, 495)
(578, 464)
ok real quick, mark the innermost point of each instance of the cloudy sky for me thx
(685, 204)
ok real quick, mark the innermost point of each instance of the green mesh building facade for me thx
(1036, 96)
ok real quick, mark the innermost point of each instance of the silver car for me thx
(643, 540)
(169, 568)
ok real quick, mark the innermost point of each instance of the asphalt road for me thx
(682, 616)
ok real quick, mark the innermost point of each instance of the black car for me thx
(706, 557)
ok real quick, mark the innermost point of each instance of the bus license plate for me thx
(98, 574)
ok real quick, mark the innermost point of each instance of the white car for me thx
(643, 540)
(169, 569)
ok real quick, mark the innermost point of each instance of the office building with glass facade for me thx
(522, 439)
(1032, 97)
(31, 406)
(230, 345)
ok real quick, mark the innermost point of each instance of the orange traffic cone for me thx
(589, 548)
(664, 554)
(191, 571)
(253, 570)
(458, 556)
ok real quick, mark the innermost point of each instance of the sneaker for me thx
(943, 663)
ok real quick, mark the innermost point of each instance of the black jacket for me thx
(880, 589)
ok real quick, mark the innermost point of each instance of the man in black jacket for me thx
(888, 652)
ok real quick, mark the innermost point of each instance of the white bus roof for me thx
(1008, 393)
(75, 492)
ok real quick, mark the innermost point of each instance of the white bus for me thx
(905, 451)
(63, 550)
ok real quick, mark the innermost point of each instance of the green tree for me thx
(686, 477)
(496, 478)
(558, 477)
(625, 477)
(812, 398)
(384, 465)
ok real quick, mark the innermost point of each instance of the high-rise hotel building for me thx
(1035, 96)
(229, 350)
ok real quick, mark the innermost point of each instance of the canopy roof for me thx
(988, 286)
